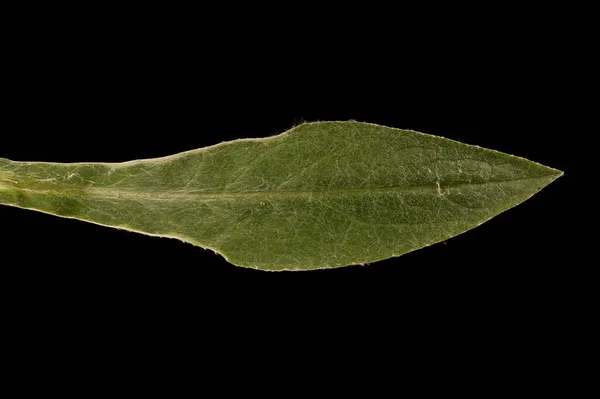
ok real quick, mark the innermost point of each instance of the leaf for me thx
(320, 195)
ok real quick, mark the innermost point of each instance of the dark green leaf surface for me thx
(321, 195)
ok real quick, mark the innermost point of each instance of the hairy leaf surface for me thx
(320, 195)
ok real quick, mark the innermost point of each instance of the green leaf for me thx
(321, 195)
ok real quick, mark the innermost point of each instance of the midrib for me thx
(162, 195)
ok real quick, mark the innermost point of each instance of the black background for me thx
(118, 91)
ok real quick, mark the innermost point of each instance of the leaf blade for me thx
(324, 194)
